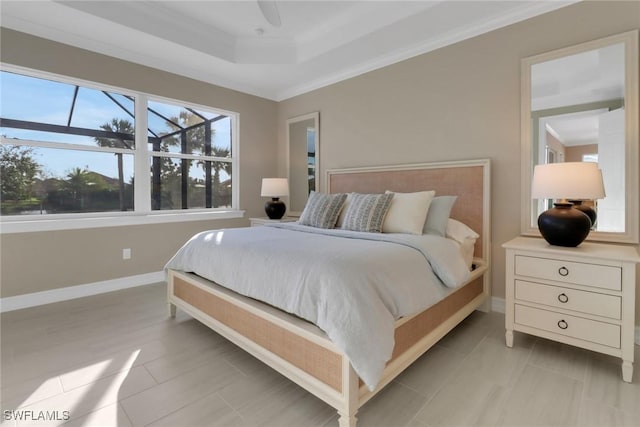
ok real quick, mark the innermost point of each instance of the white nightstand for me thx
(582, 296)
(255, 222)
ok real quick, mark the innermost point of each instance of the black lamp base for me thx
(588, 210)
(563, 225)
(275, 208)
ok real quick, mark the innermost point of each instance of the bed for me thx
(301, 350)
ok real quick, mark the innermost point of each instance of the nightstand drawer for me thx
(570, 299)
(571, 326)
(600, 276)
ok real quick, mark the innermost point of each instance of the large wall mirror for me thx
(303, 141)
(580, 104)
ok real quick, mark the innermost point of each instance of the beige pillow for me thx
(408, 212)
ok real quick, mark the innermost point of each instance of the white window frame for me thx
(142, 213)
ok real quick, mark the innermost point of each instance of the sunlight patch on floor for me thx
(99, 395)
(95, 371)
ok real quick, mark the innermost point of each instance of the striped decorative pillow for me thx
(366, 212)
(322, 210)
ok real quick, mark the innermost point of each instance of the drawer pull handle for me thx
(563, 271)
(563, 298)
(562, 324)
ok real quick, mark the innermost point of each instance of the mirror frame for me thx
(632, 161)
(315, 116)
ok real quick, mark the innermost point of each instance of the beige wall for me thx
(555, 144)
(575, 153)
(458, 102)
(32, 262)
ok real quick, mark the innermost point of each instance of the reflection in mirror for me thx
(303, 168)
(579, 105)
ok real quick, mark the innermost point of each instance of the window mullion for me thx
(235, 162)
(63, 145)
(170, 154)
(142, 183)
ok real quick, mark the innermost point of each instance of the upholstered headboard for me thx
(469, 180)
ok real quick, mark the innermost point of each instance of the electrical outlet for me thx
(126, 253)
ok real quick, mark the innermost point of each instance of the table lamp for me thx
(564, 225)
(275, 188)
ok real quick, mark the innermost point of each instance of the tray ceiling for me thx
(231, 44)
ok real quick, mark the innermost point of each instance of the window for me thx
(77, 148)
(191, 157)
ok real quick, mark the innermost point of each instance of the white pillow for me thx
(438, 215)
(408, 212)
(466, 250)
(465, 237)
(459, 232)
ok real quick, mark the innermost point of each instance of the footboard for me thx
(295, 348)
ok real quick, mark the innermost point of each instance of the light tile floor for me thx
(118, 360)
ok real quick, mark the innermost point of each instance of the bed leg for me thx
(351, 393)
(508, 335)
(486, 290)
(346, 421)
(172, 310)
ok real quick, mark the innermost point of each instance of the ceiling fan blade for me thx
(270, 11)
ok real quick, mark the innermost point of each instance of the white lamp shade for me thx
(569, 180)
(274, 187)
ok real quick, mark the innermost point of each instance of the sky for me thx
(45, 101)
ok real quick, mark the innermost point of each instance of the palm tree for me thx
(77, 182)
(121, 126)
(197, 134)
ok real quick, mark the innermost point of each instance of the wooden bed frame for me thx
(300, 350)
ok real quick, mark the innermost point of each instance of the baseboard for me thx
(55, 295)
(498, 305)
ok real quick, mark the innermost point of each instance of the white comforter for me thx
(352, 285)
